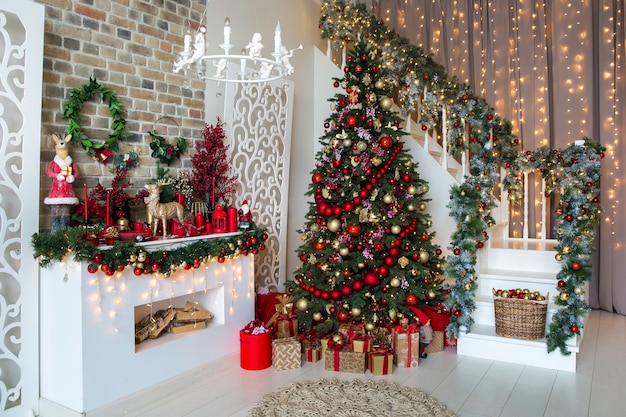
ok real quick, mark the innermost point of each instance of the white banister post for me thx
(525, 226)
(543, 209)
(444, 138)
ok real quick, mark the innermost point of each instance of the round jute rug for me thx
(356, 398)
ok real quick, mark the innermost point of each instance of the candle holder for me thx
(219, 220)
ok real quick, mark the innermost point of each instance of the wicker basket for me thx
(519, 318)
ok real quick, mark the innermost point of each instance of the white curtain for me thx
(555, 69)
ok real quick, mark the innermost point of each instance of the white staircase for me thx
(507, 263)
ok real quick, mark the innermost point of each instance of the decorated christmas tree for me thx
(367, 254)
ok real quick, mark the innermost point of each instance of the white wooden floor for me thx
(470, 387)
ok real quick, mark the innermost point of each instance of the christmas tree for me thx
(367, 254)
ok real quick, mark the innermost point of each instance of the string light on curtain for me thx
(250, 66)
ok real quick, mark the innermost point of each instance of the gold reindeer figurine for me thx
(162, 211)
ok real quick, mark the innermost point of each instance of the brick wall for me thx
(128, 46)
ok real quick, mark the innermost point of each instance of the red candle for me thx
(108, 209)
(138, 226)
(199, 219)
(213, 195)
(232, 219)
(180, 199)
(85, 214)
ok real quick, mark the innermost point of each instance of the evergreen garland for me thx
(49, 247)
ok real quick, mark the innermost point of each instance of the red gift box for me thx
(362, 344)
(255, 350)
(313, 354)
(286, 328)
(273, 306)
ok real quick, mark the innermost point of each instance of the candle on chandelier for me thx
(277, 40)
(226, 31)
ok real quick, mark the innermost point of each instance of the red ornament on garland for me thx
(385, 142)
(573, 328)
(561, 284)
(576, 266)
(371, 279)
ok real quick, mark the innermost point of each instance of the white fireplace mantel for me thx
(88, 352)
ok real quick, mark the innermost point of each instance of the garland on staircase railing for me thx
(424, 87)
(574, 172)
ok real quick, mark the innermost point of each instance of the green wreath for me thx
(100, 151)
(164, 151)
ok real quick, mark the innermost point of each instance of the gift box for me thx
(286, 328)
(362, 344)
(324, 346)
(437, 342)
(255, 350)
(351, 331)
(313, 354)
(380, 362)
(286, 353)
(406, 349)
(345, 361)
(273, 307)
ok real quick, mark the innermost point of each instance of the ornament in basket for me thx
(520, 314)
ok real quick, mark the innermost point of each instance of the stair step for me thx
(483, 342)
(507, 279)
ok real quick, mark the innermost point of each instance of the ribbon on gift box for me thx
(313, 354)
(284, 309)
(286, 327)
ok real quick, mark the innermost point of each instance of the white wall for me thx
(299, 25)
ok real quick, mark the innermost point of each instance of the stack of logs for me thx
(173, 320)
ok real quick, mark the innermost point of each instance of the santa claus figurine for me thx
(245, 216)
(63, 172)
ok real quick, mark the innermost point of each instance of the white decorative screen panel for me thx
(258, 117)
(21, 56)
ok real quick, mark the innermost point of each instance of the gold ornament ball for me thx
(338, 339)
(578, 291)
(392, 314)
(334, 225)
(355, 312)
(395, 229)
(347, 143)
(388, 199)
(369, 326)
(424, 256)
(361, 146)
(408, 164)
(317, 316)
(302, 304)
(431, 295)
(395, 282)
(379, 84)
(376, 161)
(421, 206)
(467, 286)
(563, 296)
(425, 188)
(344, 251)
(410, 207)
(558, 257)
(360, 265)
(386, 103)
(412, 190)
(567, 249)
(346, 306)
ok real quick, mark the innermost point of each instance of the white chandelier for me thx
(248, 67)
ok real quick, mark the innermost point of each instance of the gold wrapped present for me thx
(286, 328)
(380, 362)
(286, 353)
(362, 344)
(345, 361)
(313, 354)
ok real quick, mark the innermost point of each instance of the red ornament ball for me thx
(317, 178)
(97, 257)
(410, 300)
(576, 266)
(371, 279)
(386, 142)
(343, 316)
(351, 121)
(92, 268)
(561, 284)
(573, 328)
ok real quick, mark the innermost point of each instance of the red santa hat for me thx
(245, 202)
(421, 316)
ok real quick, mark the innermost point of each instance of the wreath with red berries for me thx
(100, 151)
